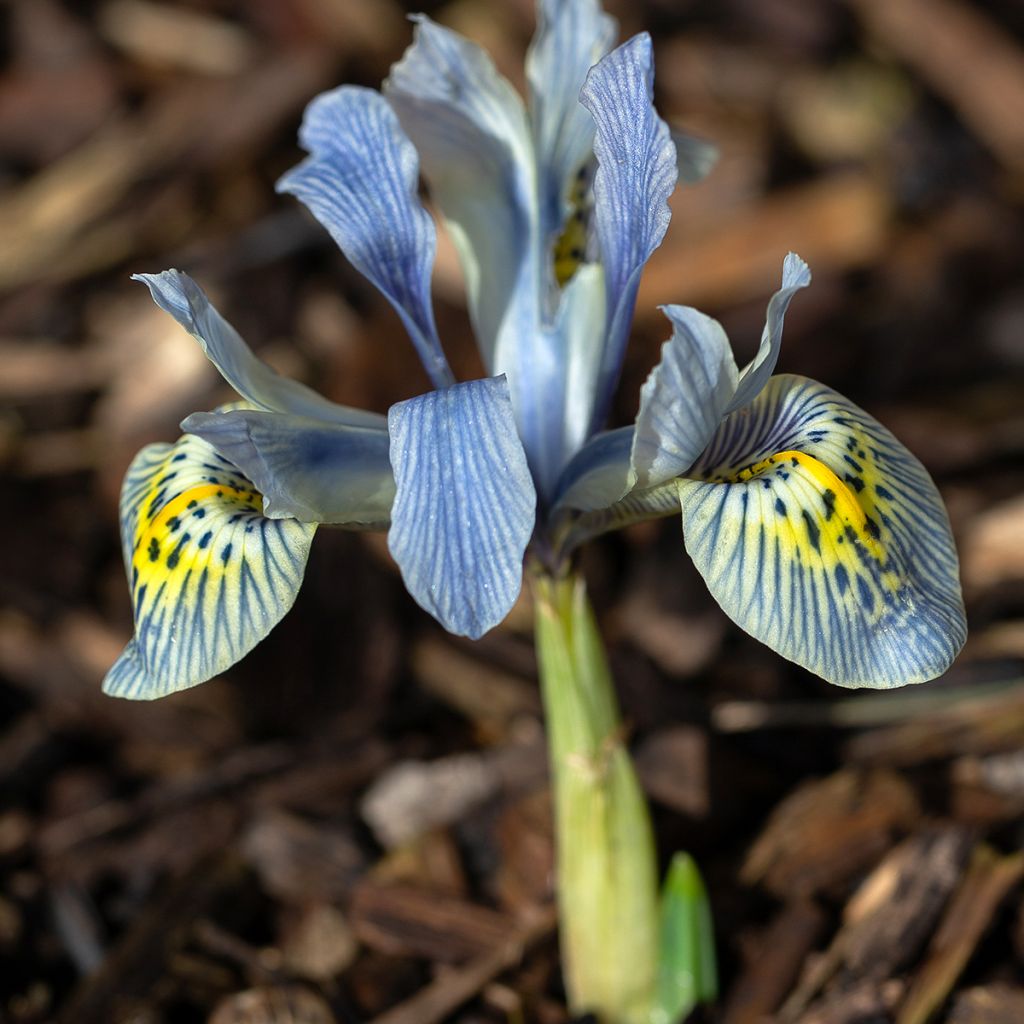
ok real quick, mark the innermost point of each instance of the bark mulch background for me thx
(353, 824)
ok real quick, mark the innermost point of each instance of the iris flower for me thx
(815, 530)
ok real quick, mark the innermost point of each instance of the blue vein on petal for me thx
(684, 398)
(305, 469)
(570, 39)
(795, 275)
(635, 176)
(874, 601)
(464, 505)
(360, 182)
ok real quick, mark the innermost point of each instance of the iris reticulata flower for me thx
(814, 528)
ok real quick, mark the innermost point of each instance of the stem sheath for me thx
(607, 875)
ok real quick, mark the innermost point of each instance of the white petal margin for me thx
(684, 398)
(209, 575)
(572, 36)
(470, 129)
(635, 176)
(465, 504)
(795, 275)
(305, 469)
(176, 293)
(360, 181)
(823, 537)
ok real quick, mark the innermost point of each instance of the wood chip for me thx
(301, 862)
(828, 830)
(171, 36)
(413, 797)
(139, 960)
(989, 879)
(486, 695)
(318, 942)
(453, 988)
(431, 861)
(990, 723)
(867, 1003)
(965, 57)
(403, 920)
(773, 963)
(991, 550)
(893, 913)
(289, 1004)
(887, 920)
(993, 1004)
(673, 768)
(525, 875)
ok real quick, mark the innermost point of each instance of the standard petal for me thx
(684, 398)
(305, 469)
(635, 176)
(575, 337)
(210, 576)
(360, 182)
(465, 503)
(176, 293)
(572, 36)
(470, 129)
(822, 536)
(795, 275)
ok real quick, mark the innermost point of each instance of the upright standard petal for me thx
(305, 469)
(360, 182)
(822, 536)
(210, 576)
(475, 144)
(465, 503)
(470, 129)
(684, 398)
(176, 293)
(636, 174)
(572, 36)
(795, 275)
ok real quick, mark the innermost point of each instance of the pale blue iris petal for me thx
(209, 575)
(852, 576)
(635, 176)
(597, 492)
(572, 36)
(305, 469)
(575, 340)
(695, 157)
(684, 398)
(360, 182)
(599, 473)
(176, 293)
(470, 129)
(795, 275)
(465, 503)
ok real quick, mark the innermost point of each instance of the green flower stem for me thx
(607, 875)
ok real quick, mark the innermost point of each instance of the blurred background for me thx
(354, 821)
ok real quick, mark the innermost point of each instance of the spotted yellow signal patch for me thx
(209, 574)
(824, 537)
(570, 249)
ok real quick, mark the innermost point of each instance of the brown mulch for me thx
(353, 824)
